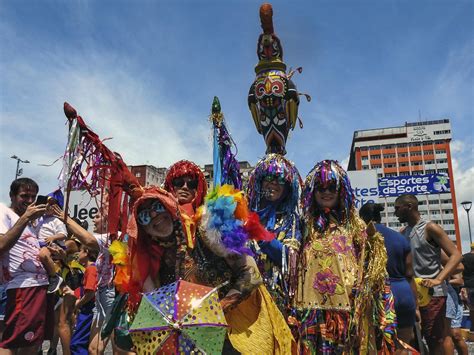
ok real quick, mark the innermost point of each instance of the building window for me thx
(429, 162)
(403, 155)
(415, 144)
(439, 141)
(446, 131)
(421, 203)
(388, 146)
(389, 156)
(402, 145)
(417, 173)
(415, 154)
(433, 202)
(374, 147)
(416, 163)
(445, 201)
(363, 149)
(390, 165)
(441, 161)
(365, 167)
(447, 211)
(440, 151)
(443, 171)
(379, 175)
(138, 174)
(391, 174)
(430, 171)
(403, 164)
(428, 152)
(449, 221)
(376, 166)
(375, 157)
(365, 158)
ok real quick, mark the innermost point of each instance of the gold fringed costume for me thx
(258, 327)
(343, 270)
(343, 303)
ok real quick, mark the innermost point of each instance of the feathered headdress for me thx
(229, 224)
(322, 174)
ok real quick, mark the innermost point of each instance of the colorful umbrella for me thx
(179, 318)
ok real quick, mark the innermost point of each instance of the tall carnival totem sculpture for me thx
(273, 99)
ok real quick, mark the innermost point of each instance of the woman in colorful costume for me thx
(274, 190)
(216, 237)
(342, 302)
(156, 243)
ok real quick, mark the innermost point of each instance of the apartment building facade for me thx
(416, 158)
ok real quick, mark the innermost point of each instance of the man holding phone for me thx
(29, 311)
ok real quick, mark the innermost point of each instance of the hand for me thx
(34, 211)
(68, 292)
(57, 211)
(229, 302)
(431, 282)
(371, 229)
(50, 240)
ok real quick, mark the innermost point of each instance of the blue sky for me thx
(145, 73)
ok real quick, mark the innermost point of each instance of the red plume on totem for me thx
(266, 18)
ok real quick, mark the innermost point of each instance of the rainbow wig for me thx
(322, 174)
(187, 168)
(229, 224)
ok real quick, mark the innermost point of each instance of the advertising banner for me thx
(83, 206)
(414, 184)
(364, 184)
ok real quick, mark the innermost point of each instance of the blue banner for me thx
(414, 184)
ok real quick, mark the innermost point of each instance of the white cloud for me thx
(145, 129)
(464, 185)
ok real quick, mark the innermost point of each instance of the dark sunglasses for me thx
(279, 179)
(180, 182)
(144, 216)
(331, 188)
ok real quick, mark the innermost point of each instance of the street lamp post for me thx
(467, 207)
(18, 161)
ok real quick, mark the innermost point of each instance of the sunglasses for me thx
(331, 188)
(279, 179)
(180, 182)
(144, 216)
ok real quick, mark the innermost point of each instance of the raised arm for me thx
(10, 237)
(86, 238)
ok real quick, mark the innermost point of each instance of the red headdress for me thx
(186, 167)
(145, 254)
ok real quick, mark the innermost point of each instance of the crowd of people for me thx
(328, 281)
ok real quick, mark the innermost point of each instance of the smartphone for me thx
(41, 200)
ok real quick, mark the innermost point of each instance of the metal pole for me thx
(469, 226)
(17, 168)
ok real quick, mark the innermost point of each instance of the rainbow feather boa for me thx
(229, 224)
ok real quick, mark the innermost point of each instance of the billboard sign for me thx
(364, 185)
(83, 206)
(414, 184)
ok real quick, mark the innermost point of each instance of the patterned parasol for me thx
(179, 318)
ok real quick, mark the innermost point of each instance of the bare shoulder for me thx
(435, 229)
